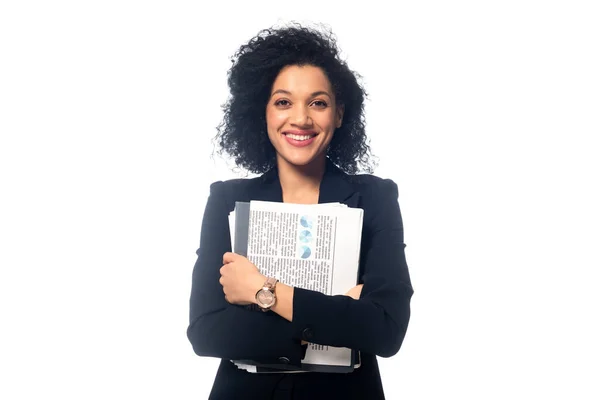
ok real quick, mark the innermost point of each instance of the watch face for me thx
(265, 298)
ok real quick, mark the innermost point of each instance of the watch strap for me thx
(270, 284)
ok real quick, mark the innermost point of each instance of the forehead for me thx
(301, 79)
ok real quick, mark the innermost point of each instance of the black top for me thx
(374, 325)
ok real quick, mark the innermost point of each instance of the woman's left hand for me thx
(240, 279)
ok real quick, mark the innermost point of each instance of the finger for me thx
(229, 257)
(355, 292)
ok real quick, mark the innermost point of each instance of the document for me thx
(314, 247)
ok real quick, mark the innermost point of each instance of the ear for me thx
(339, 115)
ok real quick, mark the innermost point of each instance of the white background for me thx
(485, 113)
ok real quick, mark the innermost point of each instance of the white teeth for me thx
(299, 137)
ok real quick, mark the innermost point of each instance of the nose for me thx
(301, 116)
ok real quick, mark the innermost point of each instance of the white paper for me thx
(315, 247)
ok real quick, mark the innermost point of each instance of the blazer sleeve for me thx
(218, 328)
(377, 322)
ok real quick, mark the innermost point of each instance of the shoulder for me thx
(222, 188)
(232, 186)
(373, 186)
(232, 190)
(379, 200)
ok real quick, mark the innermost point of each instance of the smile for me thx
(299, 140)
(299, 137)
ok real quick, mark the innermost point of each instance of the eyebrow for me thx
(313, 94)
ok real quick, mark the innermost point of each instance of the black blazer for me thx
(375, 324)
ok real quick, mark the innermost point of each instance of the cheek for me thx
(326, 120)
(329, 138)
(274, 119)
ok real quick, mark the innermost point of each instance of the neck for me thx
(300, 184)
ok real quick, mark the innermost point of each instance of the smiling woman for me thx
(296, 115)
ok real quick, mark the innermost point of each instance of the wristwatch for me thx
(265, 297)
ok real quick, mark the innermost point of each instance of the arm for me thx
(377, 322)
(217, 328)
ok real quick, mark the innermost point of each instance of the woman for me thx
(296, 115)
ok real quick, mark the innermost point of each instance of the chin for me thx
(298, 162)
(302, 161)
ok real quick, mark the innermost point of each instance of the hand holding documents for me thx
(310, 246)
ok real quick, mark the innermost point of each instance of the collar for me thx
(335, 187)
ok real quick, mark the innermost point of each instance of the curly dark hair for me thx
(243, 132)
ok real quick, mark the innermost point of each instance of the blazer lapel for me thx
(268, 187)
(335, 187)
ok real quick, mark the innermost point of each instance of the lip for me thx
(299, 143)
(300, 132)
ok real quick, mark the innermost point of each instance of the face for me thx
(302, 115)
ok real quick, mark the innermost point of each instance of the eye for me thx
(282, 103)
(319, 103)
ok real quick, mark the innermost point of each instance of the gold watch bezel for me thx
(269, 290)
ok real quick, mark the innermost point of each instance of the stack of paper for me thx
(315, 247)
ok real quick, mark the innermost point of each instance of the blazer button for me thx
(284, 360)
(307, 334)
